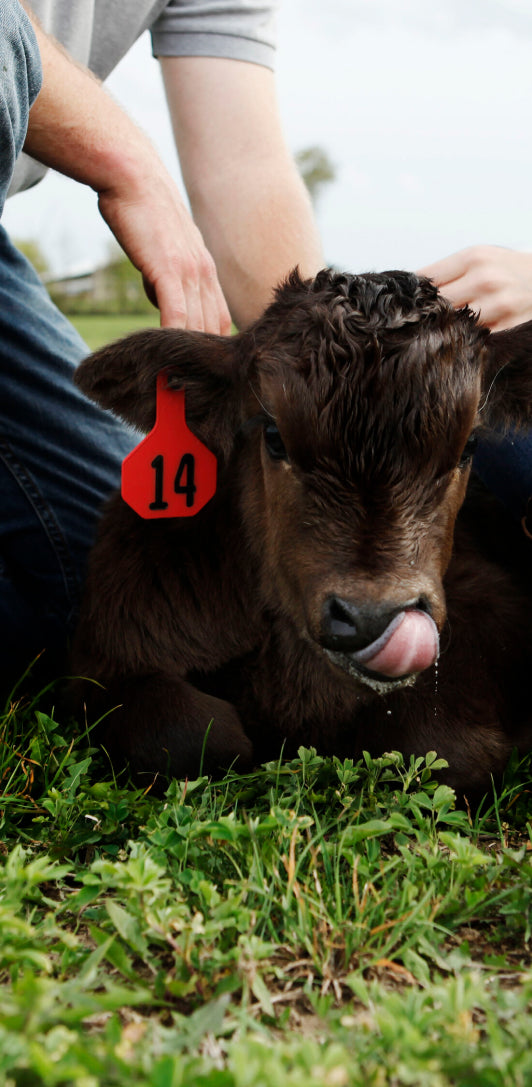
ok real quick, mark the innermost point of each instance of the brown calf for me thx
(314, 599)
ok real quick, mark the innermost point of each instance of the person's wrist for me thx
(120, 169)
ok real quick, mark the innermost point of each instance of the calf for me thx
(316, 599)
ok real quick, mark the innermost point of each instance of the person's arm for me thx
(77, 128)
(495, 282)
(245, 191)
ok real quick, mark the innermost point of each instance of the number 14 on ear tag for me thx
(170, 473)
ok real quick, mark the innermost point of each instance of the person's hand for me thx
(495, 282)
(153, 226)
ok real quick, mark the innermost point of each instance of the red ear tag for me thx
(170, 473)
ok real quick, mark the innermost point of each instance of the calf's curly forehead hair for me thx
(343, 311)
(367, 359)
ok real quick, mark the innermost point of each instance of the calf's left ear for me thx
(122, 378)
(507, 384)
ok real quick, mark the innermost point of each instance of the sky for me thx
(423, 106)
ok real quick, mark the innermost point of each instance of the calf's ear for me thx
(122, 378)
(507, 392)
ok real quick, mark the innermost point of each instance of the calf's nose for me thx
(392, 640)
(347, 627)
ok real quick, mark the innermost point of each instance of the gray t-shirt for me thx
(98, 33)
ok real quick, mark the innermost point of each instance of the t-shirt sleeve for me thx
(238, 29)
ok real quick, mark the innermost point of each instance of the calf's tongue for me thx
(409, 644)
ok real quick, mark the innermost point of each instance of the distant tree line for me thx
(316, 169)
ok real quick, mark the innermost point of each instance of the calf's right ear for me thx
(122, 378)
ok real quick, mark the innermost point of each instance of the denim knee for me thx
(60, 457)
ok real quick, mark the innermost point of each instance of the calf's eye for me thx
(468, 450)
(274, 443)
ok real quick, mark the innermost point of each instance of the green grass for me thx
(99, 329)
(316, 922)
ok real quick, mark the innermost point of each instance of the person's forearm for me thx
(78, 129)
(75, 126)
(258, 224)
(246, 194)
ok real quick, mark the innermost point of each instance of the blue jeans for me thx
(60, 455)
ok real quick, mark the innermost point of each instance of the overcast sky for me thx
(424, 107)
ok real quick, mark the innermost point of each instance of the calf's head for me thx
(346, 419)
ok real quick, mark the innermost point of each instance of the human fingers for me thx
(448, 269)
(502, 286)
(206, 306)
(216, 316)
(191, 298)
(458, 291)
(493, 304)
(496, 308)
(496, 283)
(501, 311)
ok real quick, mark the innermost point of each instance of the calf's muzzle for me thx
(387, 640)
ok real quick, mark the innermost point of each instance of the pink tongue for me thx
(413, 644)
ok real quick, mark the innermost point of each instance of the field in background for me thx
(99, 329)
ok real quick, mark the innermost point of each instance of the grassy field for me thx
(313, 924)
(99, 329)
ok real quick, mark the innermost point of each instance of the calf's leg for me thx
(164, 726)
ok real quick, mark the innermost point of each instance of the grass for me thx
(316, 922)
(99, 329)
